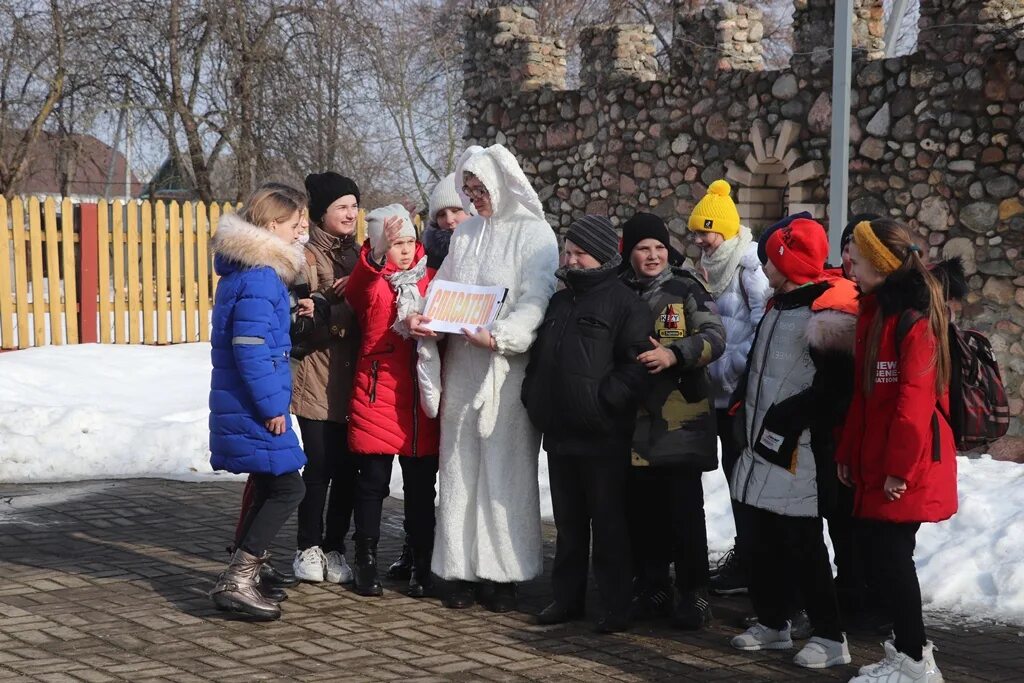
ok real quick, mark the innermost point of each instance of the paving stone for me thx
(113, 587)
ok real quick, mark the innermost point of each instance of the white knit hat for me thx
(375, 223)
(444, 196)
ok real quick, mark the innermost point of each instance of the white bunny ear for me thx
(470, 152)
(516, 181)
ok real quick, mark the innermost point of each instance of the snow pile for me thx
(103, 411)
(94, 411)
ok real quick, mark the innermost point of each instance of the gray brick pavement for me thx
(107, 581)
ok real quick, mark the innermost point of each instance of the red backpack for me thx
(979, 412)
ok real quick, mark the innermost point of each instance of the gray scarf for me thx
(723, 265)
(405, 284)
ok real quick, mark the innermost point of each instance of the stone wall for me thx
(936, 140)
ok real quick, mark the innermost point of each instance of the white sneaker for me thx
(901, 669)
(821, 653)
(309, 564)
(927, 653)
(338, 570)
(760, 637)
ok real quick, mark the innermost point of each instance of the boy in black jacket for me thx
(581, 390)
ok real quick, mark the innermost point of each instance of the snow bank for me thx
(93, 411)
(104, 411)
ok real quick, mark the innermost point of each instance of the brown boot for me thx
(238, 589)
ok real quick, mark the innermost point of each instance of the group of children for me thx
(825, 387)
(305, 324)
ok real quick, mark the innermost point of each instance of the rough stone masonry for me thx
(936, 140)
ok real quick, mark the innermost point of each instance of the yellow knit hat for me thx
(716, 212)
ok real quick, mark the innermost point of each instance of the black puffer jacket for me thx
(583, 380)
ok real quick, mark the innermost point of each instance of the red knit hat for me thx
(799, 251)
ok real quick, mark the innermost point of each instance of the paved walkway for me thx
(105, 581)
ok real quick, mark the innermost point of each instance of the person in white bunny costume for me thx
(488, 523)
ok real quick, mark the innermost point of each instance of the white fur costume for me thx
(488, 524)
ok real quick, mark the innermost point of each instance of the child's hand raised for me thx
(392, 229)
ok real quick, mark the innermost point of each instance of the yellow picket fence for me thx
(38, 304)
(112, 272)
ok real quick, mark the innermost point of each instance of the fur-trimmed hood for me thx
(834, 331)
(239, 244)
(906, 291)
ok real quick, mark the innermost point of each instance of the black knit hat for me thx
(848, 230)
(324, 189)
(595, 235)
(762, 241)
(640, 227)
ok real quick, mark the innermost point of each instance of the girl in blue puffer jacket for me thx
(257, 256)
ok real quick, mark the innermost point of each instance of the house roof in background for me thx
(92, 162)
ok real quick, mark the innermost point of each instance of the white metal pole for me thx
(839, 175)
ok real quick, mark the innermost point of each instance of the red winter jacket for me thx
(386, 416)
(891, 432)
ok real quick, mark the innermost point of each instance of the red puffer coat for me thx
(386, 416)
(893, 431)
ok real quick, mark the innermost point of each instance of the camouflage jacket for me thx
(676, 419)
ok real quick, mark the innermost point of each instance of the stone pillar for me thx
(813, 29)
(504, 55)
(616, 54)
(869, 28)
(725, 37)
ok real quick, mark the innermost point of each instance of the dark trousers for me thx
(373, 484)
(274, 499)
(419, 479)
(790, 558)
(855, 592)
(741, 513)
(891, 547)
(329, 467)
(588, 495)
(666, 515)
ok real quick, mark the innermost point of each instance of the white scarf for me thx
(723, 265)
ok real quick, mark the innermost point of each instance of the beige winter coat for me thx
(322, 383)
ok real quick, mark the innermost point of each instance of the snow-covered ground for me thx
(102, 411)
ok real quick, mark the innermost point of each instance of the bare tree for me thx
(33, 70)
(414, 76)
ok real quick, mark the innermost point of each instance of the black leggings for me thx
(891, 547)
(329, 466)
(419, 474)
(274, 500)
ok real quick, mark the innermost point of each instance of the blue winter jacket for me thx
(251, 380)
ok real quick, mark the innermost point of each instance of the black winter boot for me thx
(461, 595)
(692, 610)
(421, 582)
(503, 599)
(238, 589)
(271, 577)
(732, 577)
(401, 569)
(366, 580)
